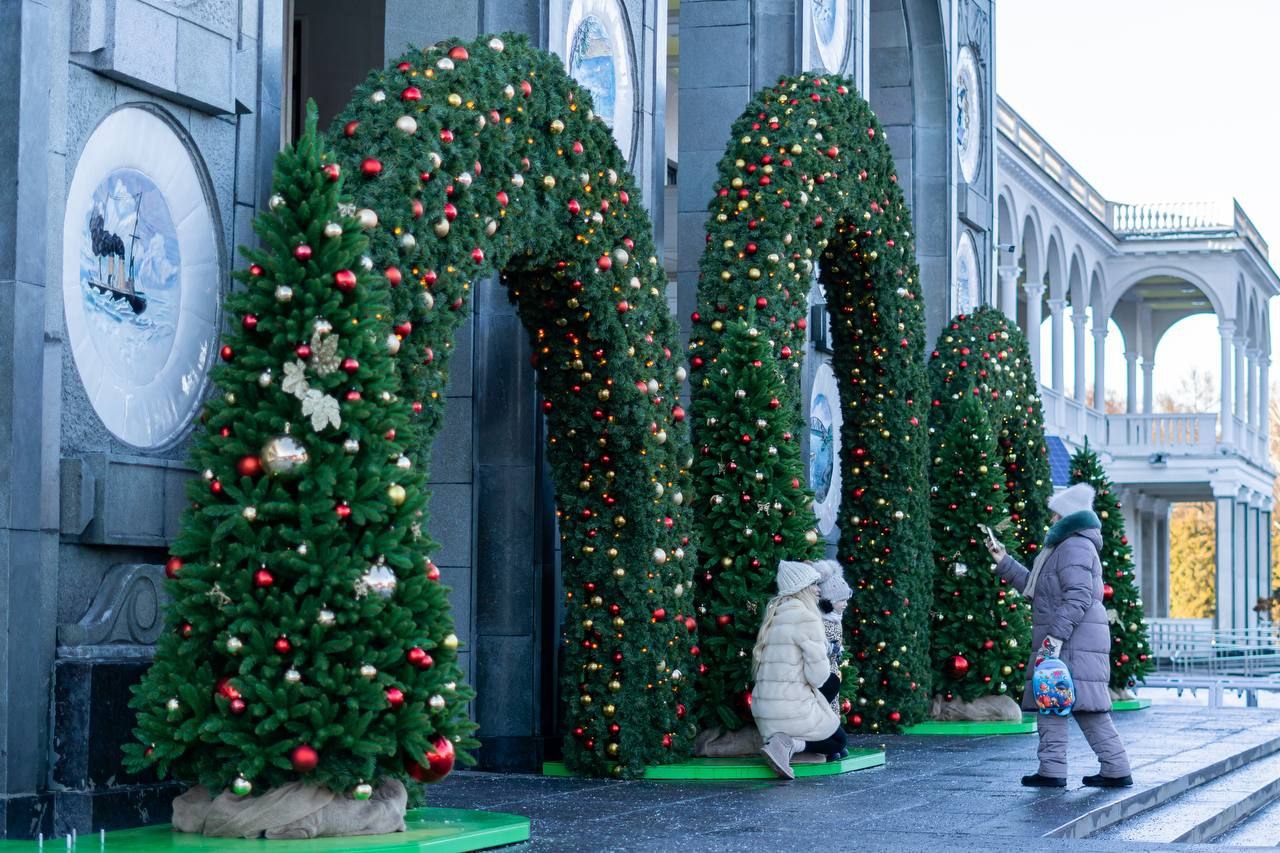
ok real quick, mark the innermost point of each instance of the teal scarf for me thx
(1065, 528)
(1086, 519)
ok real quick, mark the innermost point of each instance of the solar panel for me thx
(1059, 461)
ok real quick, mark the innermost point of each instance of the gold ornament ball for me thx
(450, 642)
(609, 710)
(396, 494)
(557, 126)
(283, 456)
(1006, 671)
(615, 686)
(612, 749)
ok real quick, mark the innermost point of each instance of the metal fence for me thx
(1190, 654)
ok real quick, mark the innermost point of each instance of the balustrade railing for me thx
(1170, 218)
(1194, 647)
(1172, 431)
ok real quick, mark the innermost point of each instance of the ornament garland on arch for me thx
(982, 354)
(808, 177)
(468, 159)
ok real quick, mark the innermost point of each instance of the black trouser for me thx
(837, 741)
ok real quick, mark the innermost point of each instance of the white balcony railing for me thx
(1175, 432)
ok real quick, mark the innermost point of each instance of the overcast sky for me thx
(1155, 100)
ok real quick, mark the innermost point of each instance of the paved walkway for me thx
(956, 794)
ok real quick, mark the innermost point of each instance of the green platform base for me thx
(970, 729)
(427, 831)
(1130, 704)
(746, 767)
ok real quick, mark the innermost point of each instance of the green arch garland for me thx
(984, 354)
(808, 176)
(468, 159)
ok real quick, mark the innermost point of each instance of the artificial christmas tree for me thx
(984, 355)
(753, 511)
(808, 181)
(1130, 647)
(981, 626)
(309, 638)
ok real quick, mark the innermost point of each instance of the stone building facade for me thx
(139, 135)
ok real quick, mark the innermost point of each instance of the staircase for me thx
(1233, 801)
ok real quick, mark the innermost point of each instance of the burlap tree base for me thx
(291, 811)
(984, 709)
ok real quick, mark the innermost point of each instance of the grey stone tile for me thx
(450, 523)
(459, 581)
(204, 66)
(707, 66)
(889, 66)
(506, 583)
(707, 113)
(451, 455)
(714, 13)
(505, 668)
(144, 44)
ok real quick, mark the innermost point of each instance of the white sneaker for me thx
(777, 753)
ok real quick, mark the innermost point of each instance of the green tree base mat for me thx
(745, 767)
(965, 728)
(1130, 704)
(427, 831)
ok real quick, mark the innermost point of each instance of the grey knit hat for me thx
(793, 577)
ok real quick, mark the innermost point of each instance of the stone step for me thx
(1203, 770)
(1205, 811)
(1260, 829)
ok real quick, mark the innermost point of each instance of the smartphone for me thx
(989, 534)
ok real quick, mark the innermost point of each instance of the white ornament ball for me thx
(368, 671)
(351, 446)
(264, 379)
(284, 293)
(292, 676)
(659, 556)
(378, 97)
(393, 344)
(367, 218)
(407, 124)
(250, 513)
(234, 645)
(495, 44)
(275, 201)
(428, 300)
(332, 230)
(325, 617)
(408, 241)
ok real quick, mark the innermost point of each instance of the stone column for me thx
(1034, 292)
(1240, 601)
(1079, 320)
(1056, 307)
(1239, 374)
(1251, 410)
(1264, 401)
(1159, 606)
(1147, 534)
(1224, 499)
(1131, 381)
(1100, 368)
(1226, 330)
(1148, 384)
(1254, 567)
(1008, 274)
(1264, 585)
(33, 42)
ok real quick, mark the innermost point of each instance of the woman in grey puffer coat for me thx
(1069, 622)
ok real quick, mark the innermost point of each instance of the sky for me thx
(1155, 100)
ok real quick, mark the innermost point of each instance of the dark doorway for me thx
(333, 44)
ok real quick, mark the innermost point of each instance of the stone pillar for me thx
(1264, 401)
(1056, 307)
(1252, 415)
(1148, 384)
(1239, 374)
(1224, 499)
(1100, 368)
(1079, 320)
(1147, 533)
(1240, 601)
(1159, 606)
(1034, 292)
(1253, 565)
(1264, 530)
(1226, 330)
(1131, 381)
(1009, 290)
(33, 41)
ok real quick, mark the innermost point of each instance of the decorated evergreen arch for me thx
(470, 159)
(984, 355)
(808, 177)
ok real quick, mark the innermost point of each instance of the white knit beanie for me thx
(1077, 498)
(832, 587)
(793, 577)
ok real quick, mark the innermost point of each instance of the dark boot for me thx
(1099, 781)
(1035, 780)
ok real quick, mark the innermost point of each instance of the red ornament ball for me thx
(332, 171)
(303, 350)
(302, 252)
(477, 255)
(343, 511)
(237, 706)
(263, 579)
(172, 567)
(1108, 591)
(249, 322)
(895, 717)
(227, 353)
(393, 276)
(304, 759)
(371, 167)
(957, 667)
(350, 365)
(395, 697)
(283, 646)
(411, 93)
(344, 280)
(458, 53)
(249, 466)
(439, 762)
(349, 129)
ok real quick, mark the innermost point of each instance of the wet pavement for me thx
(960, 794)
